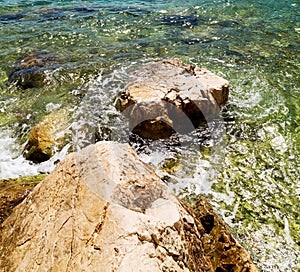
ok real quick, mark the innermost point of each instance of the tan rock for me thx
(102, 209)
(47, 137)
(169, 96)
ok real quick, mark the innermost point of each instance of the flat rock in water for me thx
(169, 96)
(102, 209)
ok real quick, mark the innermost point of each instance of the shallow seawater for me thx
(247, 163)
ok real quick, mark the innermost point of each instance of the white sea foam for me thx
(13, 164)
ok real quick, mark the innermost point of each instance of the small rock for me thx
(47, 137)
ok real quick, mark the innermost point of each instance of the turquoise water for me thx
(250, 174)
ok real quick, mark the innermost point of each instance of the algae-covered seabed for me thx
(248, 166)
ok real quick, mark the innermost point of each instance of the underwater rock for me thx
(228, 23)
(8, 17)
(51, 13)
(103, 207)
(31, 69)
(181, 20)
(85, 9)
(46, 137)
(169, 96)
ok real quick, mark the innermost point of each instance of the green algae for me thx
(258, 191)
(170, 165)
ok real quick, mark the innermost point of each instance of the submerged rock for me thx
(8, 17)
(31, 69)
(103, 208)
(51, 13)
(181, 20)
(47, 137)
(169, 96)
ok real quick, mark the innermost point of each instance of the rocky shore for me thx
(102, 207)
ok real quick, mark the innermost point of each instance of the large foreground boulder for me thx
(102, 209)
(169, 96)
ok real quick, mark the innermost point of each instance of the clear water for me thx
(247, 165)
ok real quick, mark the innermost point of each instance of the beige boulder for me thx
(169, 96)
(102, 209)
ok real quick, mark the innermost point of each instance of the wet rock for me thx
(47, 137)
(220, 247)
(13, 191)
(101, 207)
(169, 96)
(31, 70)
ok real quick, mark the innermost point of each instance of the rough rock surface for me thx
(30, 70)
(220, 247)
(47, 137)
(102, 209)
(169, 96)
